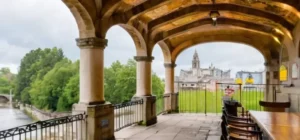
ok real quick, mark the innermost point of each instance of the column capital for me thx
(91, 43)
(144, 58)
(170, 65)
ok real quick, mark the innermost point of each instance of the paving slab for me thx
(175, 127)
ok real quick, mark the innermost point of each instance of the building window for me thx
(283, 73)
(192, 84)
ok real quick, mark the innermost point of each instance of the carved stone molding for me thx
(144, 58)
(91, 43)
(170, 65)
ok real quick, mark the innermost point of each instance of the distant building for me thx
(198, 77)
(258, 77)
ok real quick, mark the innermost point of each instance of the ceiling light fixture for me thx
(214, 14)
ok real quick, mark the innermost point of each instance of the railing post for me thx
(148, 109)
(216, 98)
(205, 111)
(167, 103)
(240, 88)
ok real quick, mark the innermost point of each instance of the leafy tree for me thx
(70, 94)
(120, 82)
(45, 93)
(6, 80)
(157, 85)
(5, 71)
(34, 66)
(49, 81)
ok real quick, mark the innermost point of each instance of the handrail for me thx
(128, 113)
(52, 128)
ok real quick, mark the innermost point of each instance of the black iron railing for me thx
(64, 128)
(128, 113)
(160, 99)
(207, 98)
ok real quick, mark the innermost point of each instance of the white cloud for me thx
(223, 55)
(30, 24)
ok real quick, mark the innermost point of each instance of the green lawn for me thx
(197, 101)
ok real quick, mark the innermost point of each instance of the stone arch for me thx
(188, 44)
(140, 44)
(84, 21)
(264, 43)
(4, 99)
(166, 51)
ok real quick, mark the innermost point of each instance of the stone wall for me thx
(41, 115)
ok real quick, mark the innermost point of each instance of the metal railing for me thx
(128, 113)
(207, 98)
(160, 106)
(64, 128)
(193, 100)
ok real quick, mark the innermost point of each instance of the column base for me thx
(167, 103)
(149, 109)
(171, 102)
(174, 103)
(100, 120)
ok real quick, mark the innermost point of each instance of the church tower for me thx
(196, 65)
(196, 61)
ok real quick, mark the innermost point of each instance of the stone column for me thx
(100, 114)
(272, 78)
(170, 97)
(144, 89)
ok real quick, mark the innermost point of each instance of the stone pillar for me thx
(100, 120)
(170, 97)
(144, 89)
(272, 78)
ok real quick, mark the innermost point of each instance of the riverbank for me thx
(40, 115)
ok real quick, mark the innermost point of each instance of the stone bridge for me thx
(5, 98)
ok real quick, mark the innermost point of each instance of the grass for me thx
(197, 101)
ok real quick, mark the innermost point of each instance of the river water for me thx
(10, 118)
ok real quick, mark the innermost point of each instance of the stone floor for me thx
(176, 127)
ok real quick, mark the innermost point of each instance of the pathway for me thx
(176, 127)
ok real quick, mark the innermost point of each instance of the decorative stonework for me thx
(144, 58)
(91, 43)
(170, 65)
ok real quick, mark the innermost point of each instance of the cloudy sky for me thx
(30, 24)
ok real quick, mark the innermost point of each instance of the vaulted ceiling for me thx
(179, 24)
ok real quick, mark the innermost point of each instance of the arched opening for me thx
(120, 66)
(205, 70)
(121, 69)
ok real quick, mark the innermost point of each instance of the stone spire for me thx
(196, 61)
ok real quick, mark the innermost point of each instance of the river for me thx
(10, 118)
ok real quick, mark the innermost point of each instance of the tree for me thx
(45, 93)
(5, 71)
(120, 82)
(70, 94)
(6, 80)
(34, 66)
(157, 85)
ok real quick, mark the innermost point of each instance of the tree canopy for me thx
(6, 80)
(50, 81)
